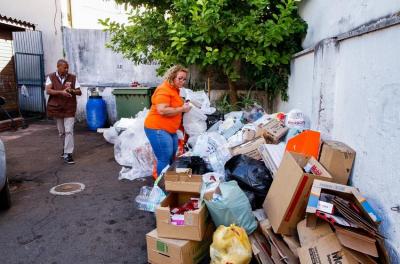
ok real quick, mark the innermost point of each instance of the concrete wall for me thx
(330, 18)
(85, 14)
(350, 89)
(97, 65)
(46, 15)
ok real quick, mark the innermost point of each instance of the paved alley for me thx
(98, 225)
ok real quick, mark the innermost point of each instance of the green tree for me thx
(255, 37)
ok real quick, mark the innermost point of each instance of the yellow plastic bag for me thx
(230, 245)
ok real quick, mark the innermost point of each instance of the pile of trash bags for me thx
(132, 149)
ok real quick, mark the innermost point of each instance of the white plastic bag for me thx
(211, 181)
(194, 122)
(132, 149)
(24, 91)
(199, 99)
(295, 119)
(214, 148)
(110, 135)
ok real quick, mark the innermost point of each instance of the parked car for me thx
(5, 199)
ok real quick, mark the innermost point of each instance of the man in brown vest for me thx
(62, 89)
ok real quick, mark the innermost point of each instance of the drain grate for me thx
(67, 188)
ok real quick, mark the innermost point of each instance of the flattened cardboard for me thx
(357, 242)
(293, 243)
(173, 251)
(277, 244)
(182, 181)
(249, 148)
(326, 250)
(338, 159)
(309, 235)
(288, 195)
(261, 248)
(195, 221)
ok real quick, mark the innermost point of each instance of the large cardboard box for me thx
(287, 198)
(338, 159)
(195, 222)
(182, 180)
(249, 148)
(174, 251)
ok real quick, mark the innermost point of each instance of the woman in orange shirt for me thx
(165, 116)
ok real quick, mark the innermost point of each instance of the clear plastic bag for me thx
(230, 245)
(150, 197)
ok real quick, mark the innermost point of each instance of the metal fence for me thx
(29, 70)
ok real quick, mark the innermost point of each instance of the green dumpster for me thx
(131, 101)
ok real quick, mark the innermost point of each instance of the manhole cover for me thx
(67, 188)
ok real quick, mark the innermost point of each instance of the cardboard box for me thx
(338, 159)
(274, 131)
(288, 195)
(195, 221)
(326, 250)
(339, 189)
(181, 180)
(173, 251)
(308, 235)
(249, 148)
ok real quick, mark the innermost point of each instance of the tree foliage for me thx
(255, 37)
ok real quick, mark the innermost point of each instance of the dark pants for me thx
(164, 146)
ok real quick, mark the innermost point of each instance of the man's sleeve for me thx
(77, 84)
(48, 81)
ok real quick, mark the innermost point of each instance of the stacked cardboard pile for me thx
(335, 224)
(180, 237)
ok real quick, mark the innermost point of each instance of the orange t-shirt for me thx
(169, 95)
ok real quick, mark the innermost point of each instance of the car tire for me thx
(5, 197)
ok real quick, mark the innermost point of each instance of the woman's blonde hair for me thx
(172, 72)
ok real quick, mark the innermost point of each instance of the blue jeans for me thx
(164, 146)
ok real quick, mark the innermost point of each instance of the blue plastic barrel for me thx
(96, 112)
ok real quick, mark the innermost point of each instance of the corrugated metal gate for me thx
(29, 70)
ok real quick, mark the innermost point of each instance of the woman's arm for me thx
(166, 110)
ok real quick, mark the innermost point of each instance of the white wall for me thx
(96, 65)
(328, 18)
(367, 116)
(85, 14)
(46, 15)
(351, 91)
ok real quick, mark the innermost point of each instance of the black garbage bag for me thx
(214, 118)
(251, 175)
(198, 165)
(252, 199)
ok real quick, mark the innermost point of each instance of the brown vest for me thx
(59, 106)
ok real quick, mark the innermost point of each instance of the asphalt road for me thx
(98, 225)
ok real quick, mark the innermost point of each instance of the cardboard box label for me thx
(162, 247)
